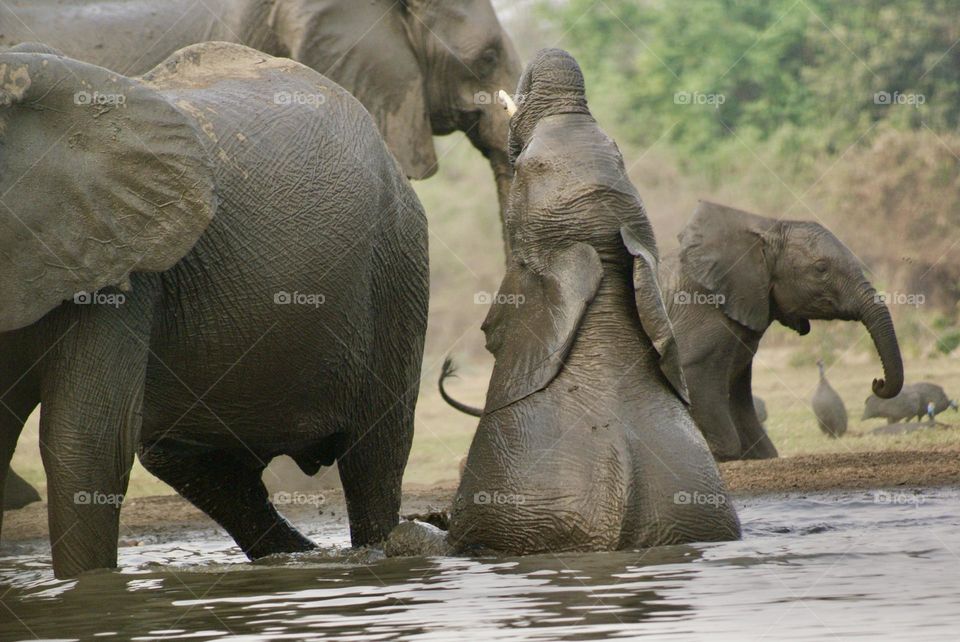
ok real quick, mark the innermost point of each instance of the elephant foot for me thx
(282, 538)
(417, 539)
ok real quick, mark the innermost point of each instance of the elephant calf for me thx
(737, 273)
(585, 442)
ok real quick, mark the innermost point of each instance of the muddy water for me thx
(809, 567)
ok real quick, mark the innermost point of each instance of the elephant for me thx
(828, 407)
(585, 443)
(734, 275)
(17, 492)
(421, 68)
(199, 274)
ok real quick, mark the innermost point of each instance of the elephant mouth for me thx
(799, 325)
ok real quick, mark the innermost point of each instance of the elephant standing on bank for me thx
(585, 442)
(420, 67)
(195, 269)
(735, 275)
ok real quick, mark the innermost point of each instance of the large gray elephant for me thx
(585, 442)
(194, 268)
(737, 273)
(421, 67)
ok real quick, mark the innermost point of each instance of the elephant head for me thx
(92, 187)
(788, 271)
(421, 67)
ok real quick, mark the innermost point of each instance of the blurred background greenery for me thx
(842, 112)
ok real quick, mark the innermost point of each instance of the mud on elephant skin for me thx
(585, 442)
(421, 67)
(196, 271)
(737, 273)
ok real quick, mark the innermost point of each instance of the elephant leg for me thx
(92, 396)
(754, 440)
(16, 404)
(371, 464)
(230, 490)
(710, 407)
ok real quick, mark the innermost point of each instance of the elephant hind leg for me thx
(230, 491)
(754, 439)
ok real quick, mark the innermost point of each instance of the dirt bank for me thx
(145, 516)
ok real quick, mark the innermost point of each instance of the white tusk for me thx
(507, 102)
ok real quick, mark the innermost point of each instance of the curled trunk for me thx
(876, 318)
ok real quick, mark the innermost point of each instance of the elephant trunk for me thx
(876, 317)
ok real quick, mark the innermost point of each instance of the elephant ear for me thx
(365, 47)
(725, 251)
(99, 177)
(534, 320)
(652, 311)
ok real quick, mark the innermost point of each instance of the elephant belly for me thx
(543, 476)
(591, 467)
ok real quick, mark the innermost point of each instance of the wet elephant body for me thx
(421, 68)
(267, 259)
(585, 442)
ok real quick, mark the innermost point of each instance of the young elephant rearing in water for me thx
(585, 442)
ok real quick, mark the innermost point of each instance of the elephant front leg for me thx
(91, 394)
(15, 406)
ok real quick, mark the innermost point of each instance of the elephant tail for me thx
(450, 370)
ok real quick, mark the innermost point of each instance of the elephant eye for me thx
(821, 266)
(486, 61)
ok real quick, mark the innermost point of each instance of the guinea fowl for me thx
(828, 407)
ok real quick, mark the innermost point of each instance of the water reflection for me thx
(808, 567)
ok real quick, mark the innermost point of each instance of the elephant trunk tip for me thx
(887, 388)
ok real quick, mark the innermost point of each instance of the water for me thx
(854, 565)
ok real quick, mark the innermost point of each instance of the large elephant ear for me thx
(725, 250)
(99, 177)
(652, 311)
(534, 320)
(365, 47)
